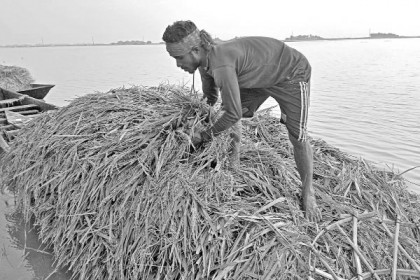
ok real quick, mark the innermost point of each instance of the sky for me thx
(107, 21)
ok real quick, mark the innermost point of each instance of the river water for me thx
(365, 100)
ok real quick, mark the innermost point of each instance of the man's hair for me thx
(180, 29)
(177, 31)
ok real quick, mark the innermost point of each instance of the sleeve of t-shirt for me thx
(226, 80)
(209, 87)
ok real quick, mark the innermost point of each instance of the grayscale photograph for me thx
(218, 140)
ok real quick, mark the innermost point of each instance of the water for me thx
(365, 100)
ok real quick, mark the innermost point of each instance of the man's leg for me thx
(235, 145)
(304, 162)
(251, 100)
(293, 99)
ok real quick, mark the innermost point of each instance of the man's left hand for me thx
(196, 139)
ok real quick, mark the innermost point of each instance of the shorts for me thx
(293, 99)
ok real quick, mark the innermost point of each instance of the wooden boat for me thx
(38, 91)
(15, 110)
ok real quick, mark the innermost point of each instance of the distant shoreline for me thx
(74, 45)
(161, 43)
(351, 38)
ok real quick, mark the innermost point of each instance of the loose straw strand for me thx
(359, 253)
(356, 257)
(413, 262)
(395, 254)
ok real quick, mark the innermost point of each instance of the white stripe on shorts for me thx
(304, 99)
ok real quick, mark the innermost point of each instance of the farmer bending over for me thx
(247, 71)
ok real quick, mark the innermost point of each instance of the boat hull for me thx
(13, 106)
(37, 91)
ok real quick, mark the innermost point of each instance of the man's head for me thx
(183, 43)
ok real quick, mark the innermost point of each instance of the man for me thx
(247, 71)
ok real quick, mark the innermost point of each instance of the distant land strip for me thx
(298, 38)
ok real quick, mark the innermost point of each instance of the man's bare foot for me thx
(312, 213)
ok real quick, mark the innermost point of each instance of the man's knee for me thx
(297, 138)
(247, 113)
(251, 100)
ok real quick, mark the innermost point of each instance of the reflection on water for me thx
(364, 100)
(22, 256)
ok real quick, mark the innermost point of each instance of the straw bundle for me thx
(114, 187)
(15, 78)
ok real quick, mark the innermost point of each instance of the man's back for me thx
(259, 62)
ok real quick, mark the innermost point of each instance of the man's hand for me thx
(312, 213)
(196, 139)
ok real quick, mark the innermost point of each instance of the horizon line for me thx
(141, 43)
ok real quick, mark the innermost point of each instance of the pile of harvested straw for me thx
(15, 78)
(114, 187)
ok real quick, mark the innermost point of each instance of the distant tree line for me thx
(304, 37)
(132, 42)
(383, 35)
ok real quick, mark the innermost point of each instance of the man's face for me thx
(188, 62)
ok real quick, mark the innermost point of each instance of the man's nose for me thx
(178, 64)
